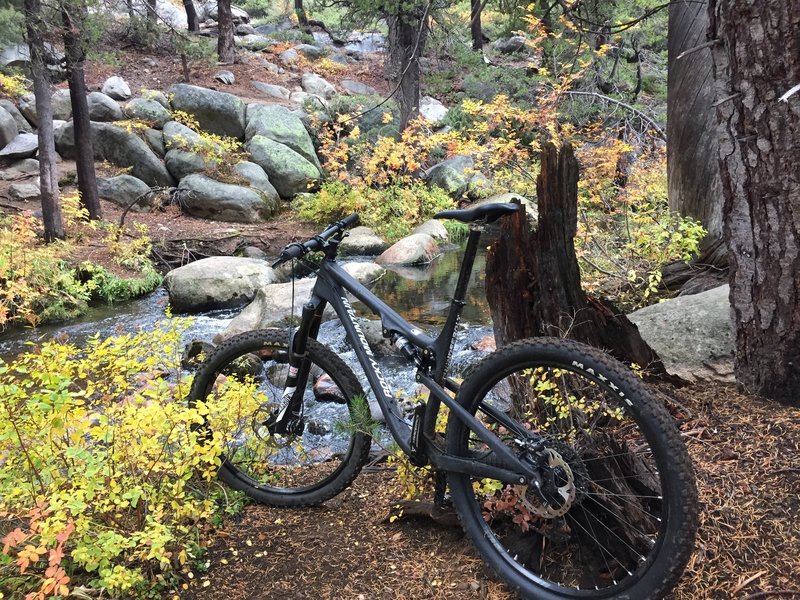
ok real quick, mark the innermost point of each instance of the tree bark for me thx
(73, 17)
(755, 62)
(533, 281)
(152, 20)
(192, 22)
(225, 45)
(300, 13)
(48, 170)
(407, 36)
(476, 7)
(695, 189)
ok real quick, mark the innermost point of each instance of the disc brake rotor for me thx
(565, 489)
(262, 432)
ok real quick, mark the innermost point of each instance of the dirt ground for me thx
(745, 452)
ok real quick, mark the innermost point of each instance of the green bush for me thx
(392, 212)
(108, 287)
(13, 27)
(104, 483)
(371, 121)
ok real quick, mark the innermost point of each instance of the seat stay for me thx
(503, 454)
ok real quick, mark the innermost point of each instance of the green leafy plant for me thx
(108, 287)
(196, 48)
(391, 212)
(103, 470)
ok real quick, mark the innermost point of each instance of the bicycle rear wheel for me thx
(619, 513)
(237, 389)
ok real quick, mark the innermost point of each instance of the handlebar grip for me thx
(293, 250)
(350, 220)
(296, 250)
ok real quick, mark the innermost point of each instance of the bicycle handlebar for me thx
(298, 249)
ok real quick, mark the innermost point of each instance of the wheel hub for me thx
(266, 429)
(557, 494)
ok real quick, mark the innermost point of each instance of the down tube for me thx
(337, 298)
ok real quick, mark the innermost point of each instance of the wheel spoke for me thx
(598, 519)
(323, 449)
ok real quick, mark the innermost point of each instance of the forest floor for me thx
(745, 451)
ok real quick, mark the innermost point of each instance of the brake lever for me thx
(287, 253)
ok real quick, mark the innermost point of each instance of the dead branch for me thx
(626, 106)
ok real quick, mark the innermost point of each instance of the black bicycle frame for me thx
(330, 288)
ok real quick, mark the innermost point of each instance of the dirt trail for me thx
(745, 451)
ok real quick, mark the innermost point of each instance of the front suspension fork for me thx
(288, 417)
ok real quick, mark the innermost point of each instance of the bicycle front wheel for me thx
(617, 513)
(238, 388)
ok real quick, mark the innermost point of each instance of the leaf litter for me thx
(746, 453)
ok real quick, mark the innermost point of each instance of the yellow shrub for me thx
(12, 85)
(221, 153)
(99, 458)
(37, 282)
(391, 212)
(627, 234)
(35, 285)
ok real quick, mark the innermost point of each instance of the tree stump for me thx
(533, 281)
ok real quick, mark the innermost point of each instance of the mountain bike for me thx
(570, 479)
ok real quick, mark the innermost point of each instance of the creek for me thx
(421, 295)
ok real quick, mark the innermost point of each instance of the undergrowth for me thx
(104, 482)
(39, 282)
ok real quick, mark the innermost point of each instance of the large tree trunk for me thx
(192, 22)
(695, 189)
(408, 33)
(73, 17)
(755, 62)
(533, 281)
(48, 170)
(225, 45)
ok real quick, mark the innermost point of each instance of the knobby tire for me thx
(624, 478)
(241, 383)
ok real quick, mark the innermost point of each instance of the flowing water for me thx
(421, 295)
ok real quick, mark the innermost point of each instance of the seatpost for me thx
(444, 341)
(466, 265)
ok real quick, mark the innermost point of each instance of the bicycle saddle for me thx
(490, 212)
